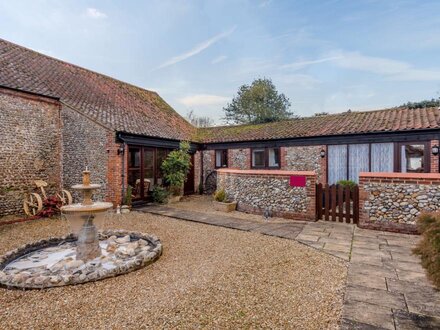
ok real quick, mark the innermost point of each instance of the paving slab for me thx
(370, 281)
(367, 260)
(386, 285)
(384, 271)
(347, 324)
(409, 321)
(368, 315)
(373, 296)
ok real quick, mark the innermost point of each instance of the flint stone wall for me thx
(30, 148)
(239, 158)
(304, 158)
(84, 144)
(393, 201)
(258, 190)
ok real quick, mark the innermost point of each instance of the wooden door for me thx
(189, 184)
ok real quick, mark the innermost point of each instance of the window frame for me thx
(223, 159)
(266, 159)
(397, 166)
(426, 156)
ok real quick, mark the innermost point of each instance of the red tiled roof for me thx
(389, 120)
(127, 108)
(115, 104)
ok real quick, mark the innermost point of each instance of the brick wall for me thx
(258, 190)
(115, 179)
(197, 170)
(434, 159)
(30, 147)
(85, 143)
(393, 201)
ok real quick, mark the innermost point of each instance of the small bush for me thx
(429, 246)
(128, 196)
(347, 183)
(160, 195)
(220, 196)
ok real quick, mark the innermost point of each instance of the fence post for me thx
(356, 204)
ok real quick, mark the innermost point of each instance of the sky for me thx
(325, 56)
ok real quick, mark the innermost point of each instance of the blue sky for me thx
(324, 55)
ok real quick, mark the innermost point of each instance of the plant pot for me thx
(174, 199)
(225, 206)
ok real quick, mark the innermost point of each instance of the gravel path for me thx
(208, 277)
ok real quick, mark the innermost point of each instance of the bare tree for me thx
(199, 121)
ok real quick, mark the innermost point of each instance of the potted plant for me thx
(160, 195)
(221, 202)
(175, 169)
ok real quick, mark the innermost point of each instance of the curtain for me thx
(337, 163)
(274, 157)
(358, 160)
(382, 157)
(218, 158)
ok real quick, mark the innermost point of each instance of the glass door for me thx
(148, 171)
(134, 172)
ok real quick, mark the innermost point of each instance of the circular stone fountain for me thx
(84, 255)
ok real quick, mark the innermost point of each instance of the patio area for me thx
(386, 286)
(207, 277)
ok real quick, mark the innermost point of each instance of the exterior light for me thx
(435, 150)
(322, 153)
(120, 150)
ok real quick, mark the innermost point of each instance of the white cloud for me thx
(196, 50)
(301, 64)
(203, 100)
(264, 3)
(391, 69)
(95, 13)
(219, 59)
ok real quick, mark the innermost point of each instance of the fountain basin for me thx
(52, 263)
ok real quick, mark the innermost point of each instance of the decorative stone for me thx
(54, 264)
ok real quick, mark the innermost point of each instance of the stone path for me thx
(386, 285)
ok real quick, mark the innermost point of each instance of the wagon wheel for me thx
(65, 197)
(32, 204)
(211, 183)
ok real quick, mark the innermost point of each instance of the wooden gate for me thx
(337, 203)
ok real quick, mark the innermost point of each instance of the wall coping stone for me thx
(266, 172)
(395, 175)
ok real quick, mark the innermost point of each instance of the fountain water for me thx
(86, 254)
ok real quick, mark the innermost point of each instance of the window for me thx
(382, 157)
(258, 158)
(274, 157)
(221, 158)
(414, 158)
(265, 158)
(346, 161)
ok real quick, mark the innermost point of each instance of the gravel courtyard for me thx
(207, 277)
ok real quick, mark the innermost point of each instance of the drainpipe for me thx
(201, 169)
(124, 146)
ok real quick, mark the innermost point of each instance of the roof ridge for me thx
(345, 113)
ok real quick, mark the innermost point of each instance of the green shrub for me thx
(200, 188)
(128, 196)
(429, 246)
(347, 183)
(160, 194)
(176, 166)
(220, 196)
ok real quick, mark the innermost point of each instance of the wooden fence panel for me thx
(337, 203)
